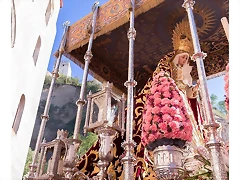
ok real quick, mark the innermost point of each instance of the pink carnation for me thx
(166, 94)
(174, 102)
(226, 88)
(164, 109)
(227, 67)
(157, 101)
(159, 135)
(154, 89)
(167, 107)
(164, 79)
(163, 126)
(166, 118)
(151, 137)
(159, 87)
(148, 111)
(174, 125)
(156, 95)
(165, 88)
(148, 118)
(146, 126)
(156, 110)
(164, 101)
(153, 127)
(156, 119)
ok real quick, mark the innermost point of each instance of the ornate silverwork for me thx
(129, 159)
(104, 117)
(88, 56)
(213, 144)
(131, 33)
(168, 162)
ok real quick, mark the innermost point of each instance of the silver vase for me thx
(168, 162)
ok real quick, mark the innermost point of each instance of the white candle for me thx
(225, 26)
(71, 152)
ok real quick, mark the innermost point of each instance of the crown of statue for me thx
(182, 40)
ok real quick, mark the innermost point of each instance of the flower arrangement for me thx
(165, 118)
(226, 87)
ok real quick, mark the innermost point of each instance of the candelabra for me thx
(51, 167)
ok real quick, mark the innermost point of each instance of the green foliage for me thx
(47, 80)
(222, 107)
(93, 86)
(87, 142)
(28, 161)
(213, 98)
(61, 80)
(205, 172)
(218, 105)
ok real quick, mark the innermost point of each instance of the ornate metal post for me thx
(41, 157)
(213, 144)
(45, 116)
(129, 159)
(88, 56)
(74, 145)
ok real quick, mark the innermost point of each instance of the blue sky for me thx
(73, 10)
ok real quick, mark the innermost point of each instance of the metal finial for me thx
(66, 23)
(95, 5)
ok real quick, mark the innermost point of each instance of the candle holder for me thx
(50, 165)
(70, 160)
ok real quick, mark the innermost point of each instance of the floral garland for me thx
(165, 115)
(226, 87)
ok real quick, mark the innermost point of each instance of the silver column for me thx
(129, 159)
(87, 57)
(213, 145)
(45, 116)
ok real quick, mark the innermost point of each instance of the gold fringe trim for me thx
(114, 25)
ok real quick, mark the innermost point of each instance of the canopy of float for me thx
(154, 23)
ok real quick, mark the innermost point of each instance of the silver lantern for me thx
(105, 117)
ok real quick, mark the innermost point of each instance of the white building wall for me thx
(28, 78)
(65, 69)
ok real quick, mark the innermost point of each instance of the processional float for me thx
(136, 146)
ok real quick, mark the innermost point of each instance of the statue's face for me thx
(182, 60)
